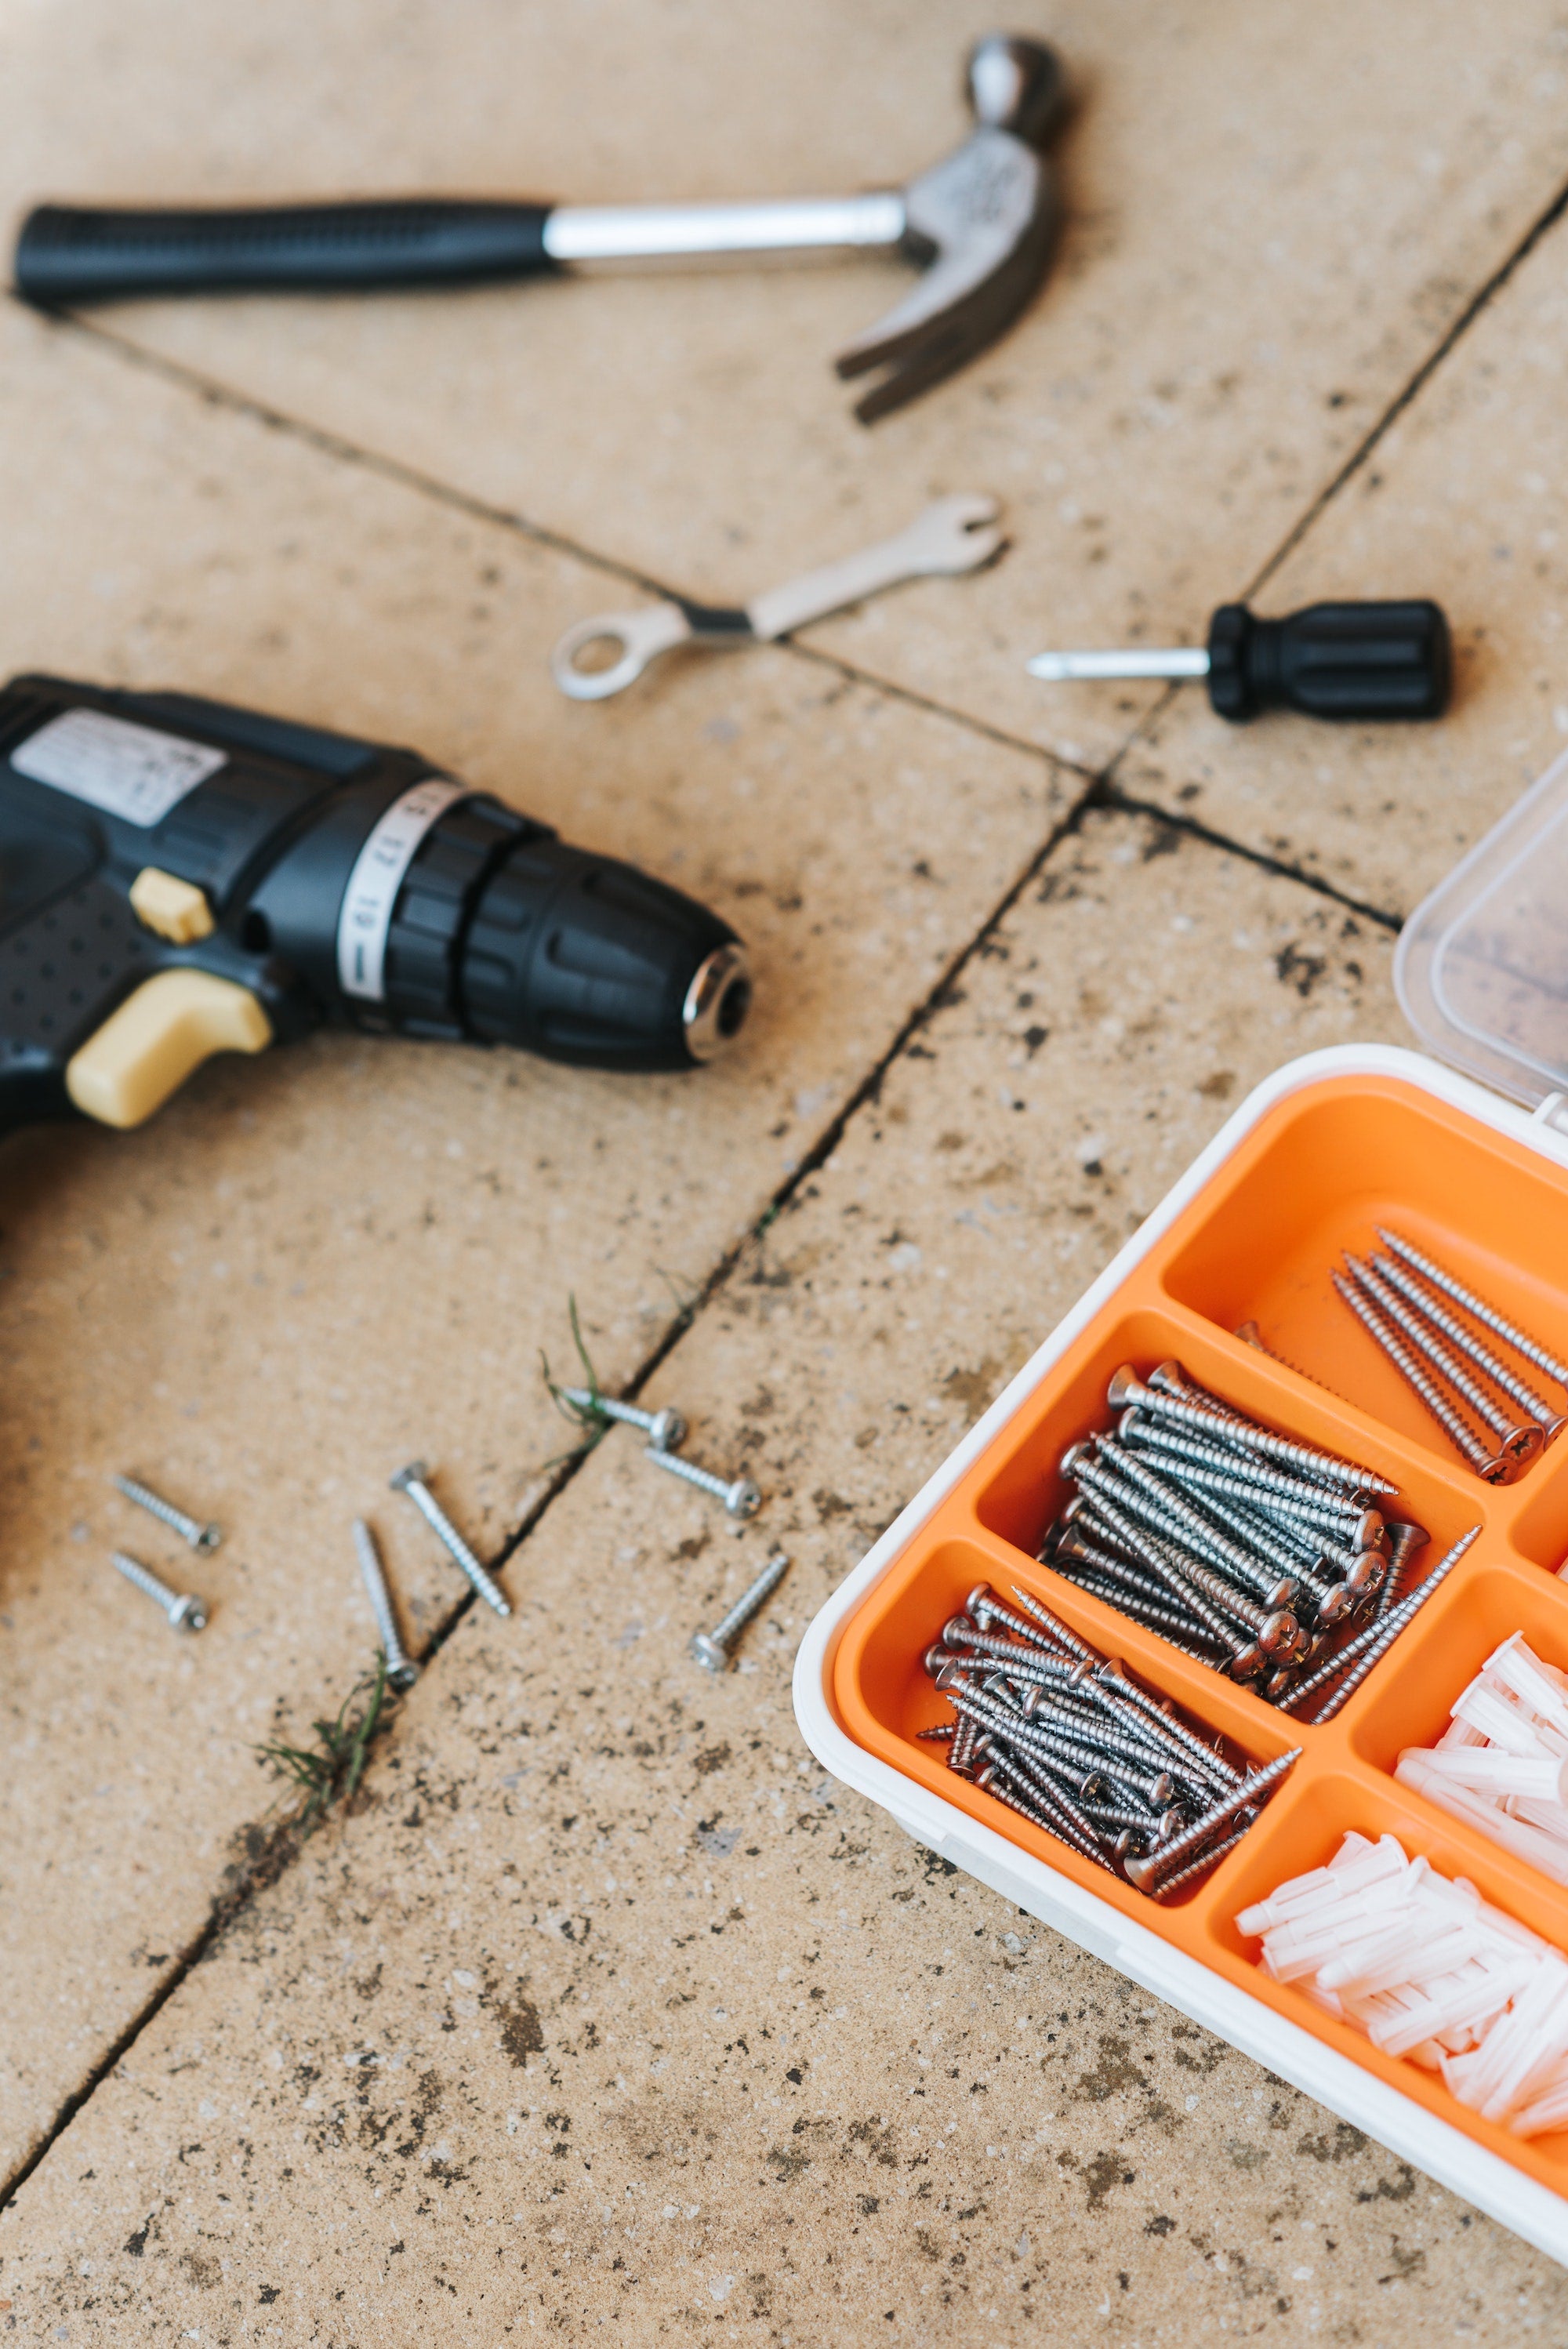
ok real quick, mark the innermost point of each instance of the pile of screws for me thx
(1064, 1736)
(666, 1432)
(1260, 1557)
(1403, 1299)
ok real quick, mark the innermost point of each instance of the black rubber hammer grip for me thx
(67, 255)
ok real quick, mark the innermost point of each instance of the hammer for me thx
(979, 224)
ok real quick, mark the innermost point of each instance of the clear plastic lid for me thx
(1481, 967)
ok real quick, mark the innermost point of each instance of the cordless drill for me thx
(179, 878)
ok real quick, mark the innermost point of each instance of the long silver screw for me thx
(1157, 1443)
(712, 1648)
(185, 1612)
(1459, 1431)
(664, 1429)
(1417, 1294)
(1126, 1386)
(401, 1670)
(1185, 1591)
(1147, 1874)
(739, 1496)
(985, 1607)
(411, 1480)
(1520, 1442)
(1406, 1540)
(1113, 1675)
(204, 1538)
(1204, 1865)
(1484, 1313)
(1389, 1628)
(1375, 1638)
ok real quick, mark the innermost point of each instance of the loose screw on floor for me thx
(740, 1494)
(401, 1670)
(203, 1537)
(665, 1430)
(712, 1648)
(185, 1611)
(411, 1480)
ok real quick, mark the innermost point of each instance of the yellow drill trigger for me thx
(146, 1050)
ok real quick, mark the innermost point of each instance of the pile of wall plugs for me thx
(1429, 1971)
(1502, 1763)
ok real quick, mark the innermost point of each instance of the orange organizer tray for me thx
(1328, 1150)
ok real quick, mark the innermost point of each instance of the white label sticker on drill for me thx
(367, 913)
(130, 772)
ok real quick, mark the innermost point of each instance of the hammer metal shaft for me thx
(578, 236)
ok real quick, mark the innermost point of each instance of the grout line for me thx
(1365, 448)
(1446, 341)
(1116, 802)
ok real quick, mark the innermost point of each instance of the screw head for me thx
(743, 1499)
(708, 1652)
(416, 1473)
(668, 1431)
(1118, 1393)
(1280, 1635)
(403, 1675)
(189, 1614)
(208, 1537)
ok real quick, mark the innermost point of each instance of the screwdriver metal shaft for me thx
(1170, 660)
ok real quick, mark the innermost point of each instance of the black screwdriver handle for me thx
(68, 255)
(1334, 660)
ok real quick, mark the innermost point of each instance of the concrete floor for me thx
(468, 2065)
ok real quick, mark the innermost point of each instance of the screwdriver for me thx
(1332, 660)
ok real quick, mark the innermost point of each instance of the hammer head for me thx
(981, 222)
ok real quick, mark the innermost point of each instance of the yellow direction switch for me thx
(176, 909)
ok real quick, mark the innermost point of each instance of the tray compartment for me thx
(1317, 1175)
(1021, 1490)
(1308, 1821)
(1539, 1519)
(882, 1683)
(1446, 1647)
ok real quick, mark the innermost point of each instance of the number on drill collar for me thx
(366, 916)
